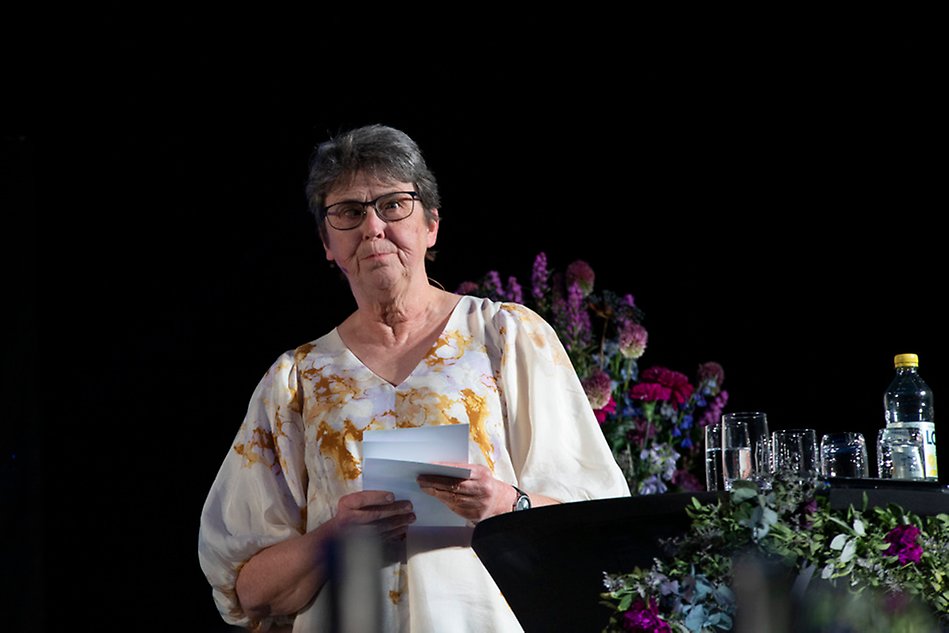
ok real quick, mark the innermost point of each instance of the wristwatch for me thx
(523, 502)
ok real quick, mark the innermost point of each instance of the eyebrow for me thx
(383, 195)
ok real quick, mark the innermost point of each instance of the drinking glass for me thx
(900, 453)
(745, 448)
(736, 452)
(714, 478)
(794, 454)
(844, 454)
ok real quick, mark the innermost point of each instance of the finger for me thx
(440, 493)
(395, 523)
(375, 497)
(438, 480)
(464, 465)
(373, 514)
(355, 500)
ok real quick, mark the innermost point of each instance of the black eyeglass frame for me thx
(412, 194)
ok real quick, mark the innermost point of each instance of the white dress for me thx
(497, 366)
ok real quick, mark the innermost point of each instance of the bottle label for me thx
(929, 445)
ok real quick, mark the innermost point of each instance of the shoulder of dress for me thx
(303, 355)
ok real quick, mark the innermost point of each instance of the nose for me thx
(373, 225)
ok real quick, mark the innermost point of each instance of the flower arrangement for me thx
(879, 569)
(653, 419)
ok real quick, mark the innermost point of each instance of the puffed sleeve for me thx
(557, 446)
(258, 497)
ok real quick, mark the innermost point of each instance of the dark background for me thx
(767, 187)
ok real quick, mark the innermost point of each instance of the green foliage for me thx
(870, 558)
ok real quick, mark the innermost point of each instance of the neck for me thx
(402, 311)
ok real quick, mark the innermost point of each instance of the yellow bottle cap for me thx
(906, 360)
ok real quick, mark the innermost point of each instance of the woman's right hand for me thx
(377, 509)
(283, 578)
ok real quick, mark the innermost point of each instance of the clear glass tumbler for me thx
(794, 454)
(900, 453)
(844, 454)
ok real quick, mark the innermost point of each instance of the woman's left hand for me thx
(477, 498)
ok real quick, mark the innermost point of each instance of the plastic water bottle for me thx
(908, 403)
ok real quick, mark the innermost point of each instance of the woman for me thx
(410, 355)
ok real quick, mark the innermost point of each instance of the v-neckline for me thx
(428, 351)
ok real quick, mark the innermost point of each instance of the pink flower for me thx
(649, 391)
(605, 411)
(904, 543)
(643, 617)
(598, 386)
(677, 383)
(580, 273)
(632, 339)
(711, 371)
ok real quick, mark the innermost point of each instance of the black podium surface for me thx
(549, 561)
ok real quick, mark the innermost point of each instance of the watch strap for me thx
(522, 501)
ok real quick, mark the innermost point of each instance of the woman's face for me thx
(378, 253)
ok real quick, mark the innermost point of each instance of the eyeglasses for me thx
(391, 207)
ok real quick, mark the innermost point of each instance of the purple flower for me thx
(711, 372)
(492, 284)
(804, 514)
(687, 481)
(713, 414)
(598, 386)
(580, 273)
(641, 430)
(632, 339)
(514, 291)
(539, 277)
(578, 319)
(467, 288)
(904, 543)
(652, 485)
(643, 617)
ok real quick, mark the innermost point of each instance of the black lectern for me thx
(549, 561)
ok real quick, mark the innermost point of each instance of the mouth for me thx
(376, 255)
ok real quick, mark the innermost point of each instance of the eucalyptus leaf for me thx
(743, 491)
(695, 620)
(839, 541)
(850, 548)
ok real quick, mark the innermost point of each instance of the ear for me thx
(433, 229)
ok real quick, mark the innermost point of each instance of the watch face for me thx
(523, 503)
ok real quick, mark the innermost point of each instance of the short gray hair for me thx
(382, 151)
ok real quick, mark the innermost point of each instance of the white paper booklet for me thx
(393, 459)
